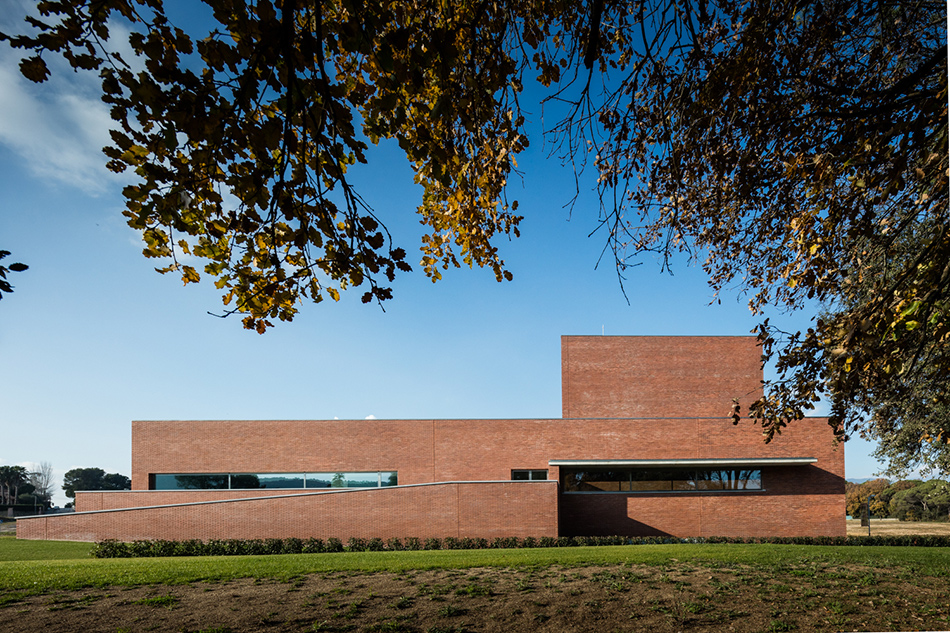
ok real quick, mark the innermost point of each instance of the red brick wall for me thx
(465, 450)
(658, 376)
(91, 501)
(795, 501)
(423, 451)
(286, 446)
(643, 397)
(476, 509)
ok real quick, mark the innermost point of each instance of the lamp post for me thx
(869, 513)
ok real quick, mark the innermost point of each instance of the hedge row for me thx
(136, 549)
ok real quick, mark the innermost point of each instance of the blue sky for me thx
(93, 338)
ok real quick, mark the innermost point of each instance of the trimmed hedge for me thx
(194, 547)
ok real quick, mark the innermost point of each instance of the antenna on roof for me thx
(601, 330)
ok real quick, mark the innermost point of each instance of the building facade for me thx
(645, 447)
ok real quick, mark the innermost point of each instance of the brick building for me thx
(644, 447)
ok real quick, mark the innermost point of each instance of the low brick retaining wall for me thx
(456, 509)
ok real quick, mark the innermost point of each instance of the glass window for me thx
(253, 481)
(362, 480)
(529, 475)
(651, 480)
(191, 482)
(709, 480)
(752, 481)
(319, 480)
(352, 479)
(683, 480)
(597, 481)
(647, 480)
(274, 481)
(247, 482)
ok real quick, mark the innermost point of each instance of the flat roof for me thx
(698, 463)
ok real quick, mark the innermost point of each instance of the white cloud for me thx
(370, 417)
(56, 129)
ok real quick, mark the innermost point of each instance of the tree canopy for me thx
(797, 149)
(42, 481)
(93, 479)
(912, 500)
(12, 479)
(17, 267)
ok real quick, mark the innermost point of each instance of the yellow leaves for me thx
(134, 155)
(217, 228)
(911, 309)
(189, 275)
(258, 139)
(156, 243)
(257, 324)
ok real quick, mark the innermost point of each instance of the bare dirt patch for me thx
(672, 597)
(893, 527)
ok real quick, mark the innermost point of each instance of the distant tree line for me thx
(907, 500)
(93, 479)
(22, 487)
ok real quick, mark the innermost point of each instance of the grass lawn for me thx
(41, 566)
(12, 549)
(893, 527)
(701, 587)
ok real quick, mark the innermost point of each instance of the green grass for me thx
(169, 602)
(13, 549)
(40, 573)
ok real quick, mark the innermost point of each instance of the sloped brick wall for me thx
(469, 509)
(90, 501)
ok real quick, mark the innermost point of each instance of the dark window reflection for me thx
(191, 482)
(246, 482)
(529, 475)
(655, 479)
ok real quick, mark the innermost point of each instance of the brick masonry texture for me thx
(625, 398)
(424, 451)
(452, 509)
(92, 501)
(795, 501)
(658, 376)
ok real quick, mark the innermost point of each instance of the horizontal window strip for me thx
(283, 481)
(659, 480)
